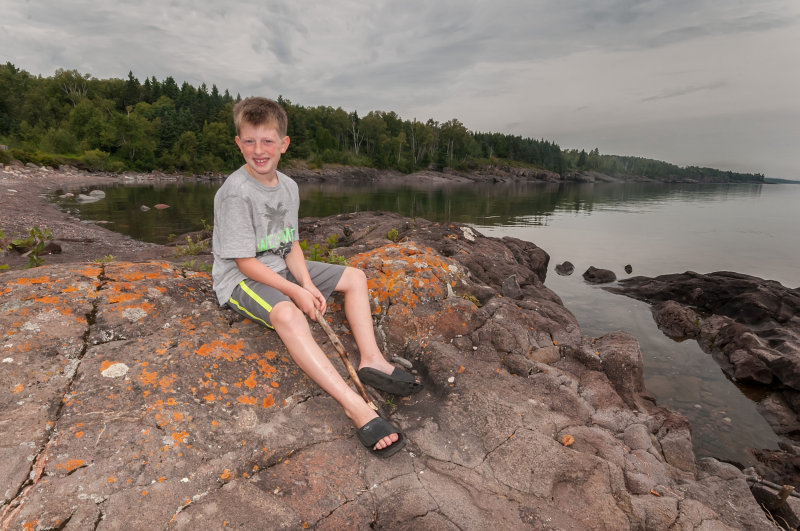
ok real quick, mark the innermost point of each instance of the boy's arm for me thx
(306, 299)
(296, 262)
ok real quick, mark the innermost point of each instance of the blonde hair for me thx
(260, 111)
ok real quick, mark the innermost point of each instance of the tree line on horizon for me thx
(125, 124)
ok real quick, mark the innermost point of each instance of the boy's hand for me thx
(309, 299)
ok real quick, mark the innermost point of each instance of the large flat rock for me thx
(128, 398)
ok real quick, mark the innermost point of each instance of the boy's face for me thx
(261, 146)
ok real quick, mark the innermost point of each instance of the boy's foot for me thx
(377, 430)
(399, 382)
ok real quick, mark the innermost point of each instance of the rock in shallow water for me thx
(594, 275)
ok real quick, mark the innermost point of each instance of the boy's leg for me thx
(353, 284)
(271, 308)
(293, 329)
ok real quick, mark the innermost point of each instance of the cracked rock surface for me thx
(129, 399)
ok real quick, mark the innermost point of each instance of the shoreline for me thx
(23, 193)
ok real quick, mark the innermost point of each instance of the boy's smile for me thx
(261, 146)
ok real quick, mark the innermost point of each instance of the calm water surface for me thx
(656, 228)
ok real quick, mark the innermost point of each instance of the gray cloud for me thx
(539, 68)
(683, 91)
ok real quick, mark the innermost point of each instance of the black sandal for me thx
(375, 430)
(398, 383)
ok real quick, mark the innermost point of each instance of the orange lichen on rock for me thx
(567, 440)
(221, 349)
(91, 271)
(250, 382)
(31, 281)
(47, 299)
(245, 399)
(71, 465)
(404, 273)
(149, 377)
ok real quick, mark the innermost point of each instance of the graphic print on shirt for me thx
(279, 238)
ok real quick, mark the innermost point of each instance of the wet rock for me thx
(83, 198)
(628, 269)
(594, 275)
(676, 320)
(565, 269)
(750, 325)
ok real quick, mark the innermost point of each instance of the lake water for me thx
(656, 228)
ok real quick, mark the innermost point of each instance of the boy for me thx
(260, 271)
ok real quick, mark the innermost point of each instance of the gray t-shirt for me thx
(251, 219)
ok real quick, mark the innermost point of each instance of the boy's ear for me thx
(238, 141)
(284, 144)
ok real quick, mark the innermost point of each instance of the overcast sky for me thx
(693, 82)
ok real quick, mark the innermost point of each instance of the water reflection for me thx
(485, 204)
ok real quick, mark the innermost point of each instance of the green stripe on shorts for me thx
(253, 295)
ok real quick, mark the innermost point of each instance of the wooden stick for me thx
(346, 360)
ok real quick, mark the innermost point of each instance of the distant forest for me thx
(126, 124)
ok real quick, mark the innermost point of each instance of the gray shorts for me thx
(255, 300)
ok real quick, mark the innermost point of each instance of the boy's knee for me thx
(286, 315)
(357, 275)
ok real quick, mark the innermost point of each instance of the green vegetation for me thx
(107, 259)
(195, 265)
(471, 298)
(193, 247)
(323, 253)
(392, 235)
(33, 245)
(125, 124)
(3, 267)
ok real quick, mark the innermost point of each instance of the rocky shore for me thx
(129, 398)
